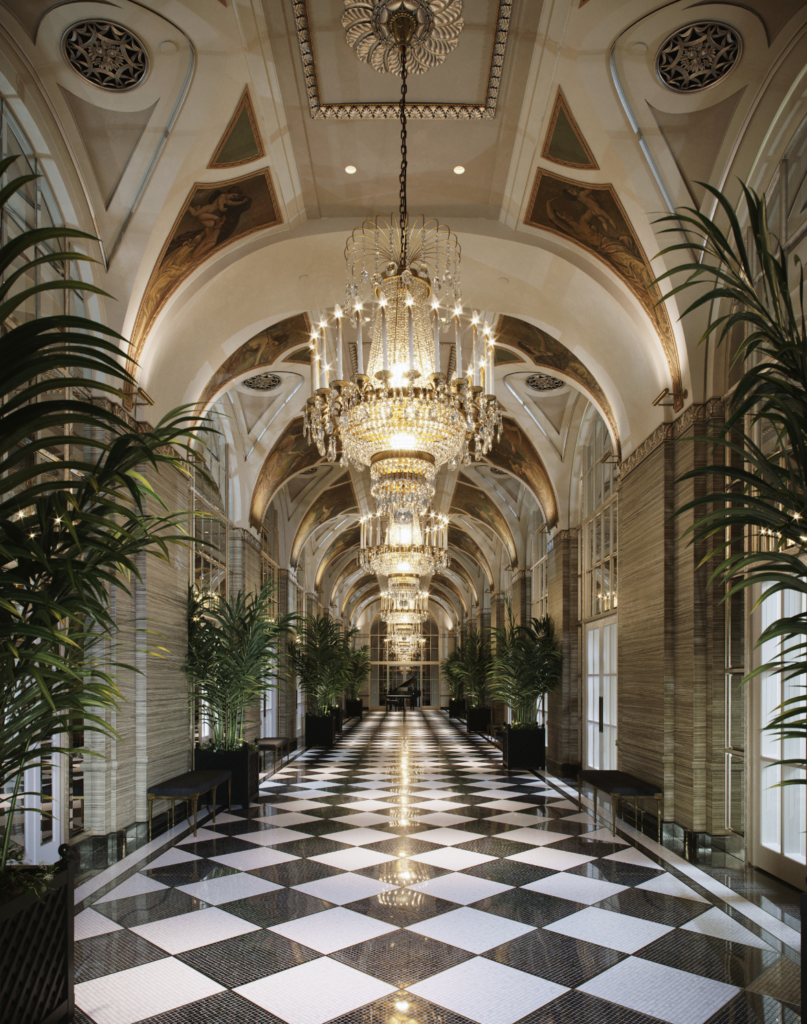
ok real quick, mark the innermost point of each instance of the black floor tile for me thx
(402, 872)
(322, 828)
(579, 1008)
(295, 872)
(402, 907)
(654, 906)
(404, 847)
(528, 907)
(108, 954)
(509, 872)
(402, 958)
(495, 847)
(729, 962)
(223, 1007)
(615, 871)
(272, 908)
(151, 906)
(312, 847)
(188, 871)
(557, 958)
(589, 847)
(218, 847)
(247, 957)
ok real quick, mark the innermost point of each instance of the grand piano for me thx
(407, 692)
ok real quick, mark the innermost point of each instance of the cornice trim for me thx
(714, 408)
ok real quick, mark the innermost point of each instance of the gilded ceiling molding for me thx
(544, 350)
(564, 142)
(462, 541)
(475, 502)
(425, 111)
(241, 142)
(341, 543)
(459, 570)
(592, 217)
(516, 454)
(213, 216)
(698, 415)
(364, 584)
(290, 455)
(263, 349)
(329, 504)
(448, 587)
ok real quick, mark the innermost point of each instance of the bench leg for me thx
(596, 791)
(214, 805)
(579, 794)
(614, 802)
(173, 814)
(274, 760)
(195, 803)
(230, 796)
(151, 804)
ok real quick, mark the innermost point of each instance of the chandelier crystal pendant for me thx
(401, 545)
(404, 418)
(409, 611)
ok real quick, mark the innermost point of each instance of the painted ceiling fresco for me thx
(516, 454)
(291, 455)
(329, 504)
(473, 501)
(341, 543)
(460, 540)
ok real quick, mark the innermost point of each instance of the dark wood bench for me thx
(190, 787)
(275, 744)
(619, 786)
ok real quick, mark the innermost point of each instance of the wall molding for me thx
(712, 409)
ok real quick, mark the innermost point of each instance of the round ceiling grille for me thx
(263, 382)
(544, 382)
(105, 54)
(698, 55)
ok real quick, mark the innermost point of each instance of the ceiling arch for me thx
(515, 453)
(291, 454)
(460, 540)
(473, 501)
(329, 504)
(342, 542)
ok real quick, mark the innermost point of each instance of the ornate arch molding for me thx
(330, 504)
(342, 542)
(473, 501)
(291, 454)
(459, 539)
(516, 454)
(544, 350)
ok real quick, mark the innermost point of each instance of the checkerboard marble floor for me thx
(405, 877)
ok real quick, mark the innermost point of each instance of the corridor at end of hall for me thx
(405, 877)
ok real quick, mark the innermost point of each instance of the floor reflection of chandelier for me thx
(390, 547)
(404, 418)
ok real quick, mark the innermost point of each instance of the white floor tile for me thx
(671, 886)
(333, 929)
(452, 859)
(228, 888)
(563, 805)
(273, 836)
(353, 859)
(487, 992)
(173, 856)
(546, 857)
(441, 805)
(630, 855)
(442, 818)
(518, 818)
(583, 817)
(368, 805)
(607, 928)
(314, 992)
(137, 885)
(471, 929)
(448, 836)
(720, 926)
(606, 836)
(223, 818)
(189, 931)
(313, 785)
(202, 834)
(346, 888)
(358, 836)
(459, 888)
(659, 991)
(298, 805)
(90, 923)
(250, 860)
(506, 805)
(282, 820)
(533, 836)
(488, 784)
(140, 992)
(364, 819)
(437, 794)
(577, 888)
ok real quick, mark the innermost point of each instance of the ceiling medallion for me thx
(698, 55)
(370, 29)
(105, 54)
(544, 382)
(262, 382)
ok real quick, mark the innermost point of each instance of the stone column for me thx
(287, 694)
(563, 703)
(521, 596)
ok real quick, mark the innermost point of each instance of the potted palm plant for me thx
(233, 649)
(358, 671)
(76, 515)
(472, 667)
(320, 657)
(527, 664)
(451, 672)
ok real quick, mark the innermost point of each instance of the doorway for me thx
(601, 682)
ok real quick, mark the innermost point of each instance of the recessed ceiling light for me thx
(459, 169)
(350, 169)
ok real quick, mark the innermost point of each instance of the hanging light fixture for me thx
(404, 418)
(396, 611)
(403, 545)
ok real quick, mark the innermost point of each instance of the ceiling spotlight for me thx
(459, 169)
(350, 169)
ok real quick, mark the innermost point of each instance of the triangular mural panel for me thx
(564, 143)
(241, 142)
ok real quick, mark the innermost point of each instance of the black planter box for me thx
(524, 748)
(353, 708)
(245, 764)
(36, 937)
(456, 708)
(320, 731)
(478, 719)
(336, 711)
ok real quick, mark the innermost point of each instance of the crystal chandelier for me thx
(399, 545)
(404, 642)
(410, 611)
(404, 418)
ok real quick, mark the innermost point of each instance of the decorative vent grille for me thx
(544, 382)
(105, 54)
(262, 382)
(698, 55)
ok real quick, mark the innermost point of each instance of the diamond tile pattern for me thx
(362, 890)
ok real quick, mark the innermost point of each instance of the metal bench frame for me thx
(194, 798)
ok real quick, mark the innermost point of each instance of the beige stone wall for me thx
(563, 740)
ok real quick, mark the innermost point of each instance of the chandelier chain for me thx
(402, 176)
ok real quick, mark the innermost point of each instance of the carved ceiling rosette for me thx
(368, 29)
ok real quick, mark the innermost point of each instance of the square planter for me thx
(319, 731)
(353, 708)
(336, 711)
(245, 764)
(456, 707)
(478, 719)
(36, 936)
(524, 748)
